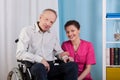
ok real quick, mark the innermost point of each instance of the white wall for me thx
(14, 15)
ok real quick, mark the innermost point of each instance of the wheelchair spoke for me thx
(15, 74)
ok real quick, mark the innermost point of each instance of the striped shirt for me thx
(34, 45)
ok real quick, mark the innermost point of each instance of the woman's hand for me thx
(70, 59)
(67, 59)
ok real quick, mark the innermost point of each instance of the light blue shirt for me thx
(34, 45)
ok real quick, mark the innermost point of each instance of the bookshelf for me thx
(109, 17)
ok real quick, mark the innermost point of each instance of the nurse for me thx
(80, 51)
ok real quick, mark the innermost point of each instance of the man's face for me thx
(46, 20)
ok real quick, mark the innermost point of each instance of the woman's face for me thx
(72, 32)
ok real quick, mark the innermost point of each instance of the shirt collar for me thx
(37, 29)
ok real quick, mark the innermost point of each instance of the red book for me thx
(111, 56)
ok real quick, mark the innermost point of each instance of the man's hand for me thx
(65, 58)
(64, 53)
(45, 63)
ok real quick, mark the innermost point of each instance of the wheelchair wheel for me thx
(14, 74)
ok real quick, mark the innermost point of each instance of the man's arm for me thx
(22, 52)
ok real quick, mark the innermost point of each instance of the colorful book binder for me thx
(113, 15)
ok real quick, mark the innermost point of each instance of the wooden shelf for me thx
(113, 66)
(110, 72)
(112, 18)
(113, 42)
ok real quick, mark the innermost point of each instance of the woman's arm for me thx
(85, 72)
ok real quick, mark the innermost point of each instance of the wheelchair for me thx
(22, 72)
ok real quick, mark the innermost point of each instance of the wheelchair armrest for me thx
(28, 64)
(59, 61)
(16, 40)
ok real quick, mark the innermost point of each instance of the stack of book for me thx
(113, 56)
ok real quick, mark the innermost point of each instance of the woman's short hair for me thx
(72, 22)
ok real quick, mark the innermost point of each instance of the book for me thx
(116, 59)
(111, 56)
(113, 15)
(107, 56)
(119, 56)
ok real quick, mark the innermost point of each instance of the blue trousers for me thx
(66, 71)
